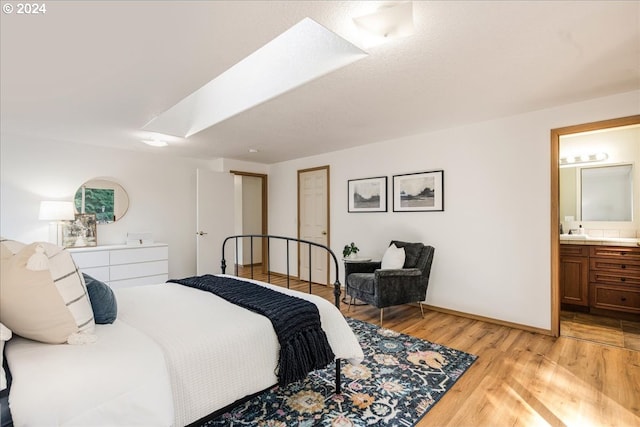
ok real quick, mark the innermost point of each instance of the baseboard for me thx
(466, 315)
(490, 320)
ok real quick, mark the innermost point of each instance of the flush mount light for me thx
(388, 22)
(303, 53)
(583, 158)
(155, 142)
(253, 150)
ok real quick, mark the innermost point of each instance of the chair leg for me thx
(421, 309)
(381, 316)
(350, 301)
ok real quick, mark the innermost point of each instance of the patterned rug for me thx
(400, 379)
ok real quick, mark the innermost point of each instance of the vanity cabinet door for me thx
(574, 280)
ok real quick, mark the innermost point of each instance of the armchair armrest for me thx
(361, 267)
(402, 272)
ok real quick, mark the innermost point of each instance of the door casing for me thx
(555, 203)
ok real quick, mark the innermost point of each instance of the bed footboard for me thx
(336, 285)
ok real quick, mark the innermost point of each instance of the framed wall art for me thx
(80, 232)
(419, 192)
(367, 194)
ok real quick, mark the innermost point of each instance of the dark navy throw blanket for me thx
(303, 343)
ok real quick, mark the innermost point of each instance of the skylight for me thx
(303, 53)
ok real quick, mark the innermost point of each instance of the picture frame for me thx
(367, 194)
(419, 192)
(80, 232)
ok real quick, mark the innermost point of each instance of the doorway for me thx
(313, 223)
(251, 217)
(584, 325)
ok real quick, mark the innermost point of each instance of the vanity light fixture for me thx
(583, 158)
(301, 54)
(56, 212)
(388, 22)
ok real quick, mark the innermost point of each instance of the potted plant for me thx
(350, 251)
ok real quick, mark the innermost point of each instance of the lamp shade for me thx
(56, 210)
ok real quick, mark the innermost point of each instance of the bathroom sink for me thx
(574, 236)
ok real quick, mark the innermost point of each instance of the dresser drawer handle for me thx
(623, 299)
(623, 266)
(623, 279)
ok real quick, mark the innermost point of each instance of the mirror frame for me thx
(120, 196)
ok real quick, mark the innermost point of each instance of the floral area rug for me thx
(400, 379)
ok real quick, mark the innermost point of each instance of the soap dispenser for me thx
(561, 230)
(582, 231)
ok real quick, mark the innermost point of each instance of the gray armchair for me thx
(366, 282)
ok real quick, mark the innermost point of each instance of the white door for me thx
(214, 220)
(313, 191)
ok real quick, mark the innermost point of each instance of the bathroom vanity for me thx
(600, 275)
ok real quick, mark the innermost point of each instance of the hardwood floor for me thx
(520, 378)
(601, 329)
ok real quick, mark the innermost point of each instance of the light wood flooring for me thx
(600, 329)
(520, 378)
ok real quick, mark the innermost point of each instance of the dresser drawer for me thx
(574, 250)
(130, 271)
(134, 255)
(90, 259)
(615, 298)
(621, 252)
(139, 281)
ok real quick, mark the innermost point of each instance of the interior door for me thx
(313, 222)
(214, 220)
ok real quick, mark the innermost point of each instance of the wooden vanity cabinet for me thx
(574, 275)
(614, 278)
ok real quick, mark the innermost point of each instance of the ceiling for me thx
(95, 72)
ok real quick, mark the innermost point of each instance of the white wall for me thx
(493, 239)
(161, 192)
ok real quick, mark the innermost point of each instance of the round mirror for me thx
(106, 199)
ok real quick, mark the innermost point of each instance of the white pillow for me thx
(43, 296)
(393, 258)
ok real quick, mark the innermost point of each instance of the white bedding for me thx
(174, 355)
(218, 352)
(120, 380)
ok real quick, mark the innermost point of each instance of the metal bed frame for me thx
(336, 285)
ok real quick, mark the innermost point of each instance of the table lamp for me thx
(55, 212)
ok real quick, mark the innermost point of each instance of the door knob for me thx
(324, 233)
(201, 233)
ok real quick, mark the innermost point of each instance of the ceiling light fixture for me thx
(388, 22)
(303, 53)
(155, 142)
(253, 150)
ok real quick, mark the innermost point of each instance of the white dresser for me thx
(122, 265)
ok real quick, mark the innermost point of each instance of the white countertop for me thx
(581, 239)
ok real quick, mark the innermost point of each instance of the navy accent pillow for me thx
(103, 300)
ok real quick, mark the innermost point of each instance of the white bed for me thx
(175, 355)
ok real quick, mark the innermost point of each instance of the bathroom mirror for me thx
(607, 193)
(105, 198)
(600, 193)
